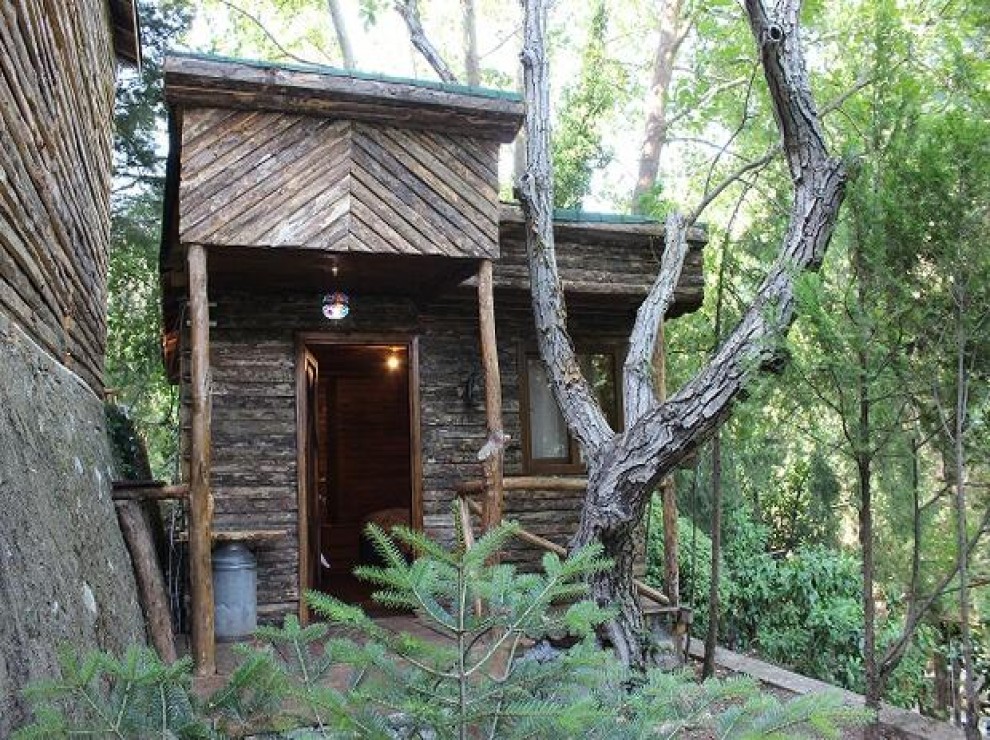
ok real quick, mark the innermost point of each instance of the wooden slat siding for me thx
(232, 180)
(224, 83)
(279, 180)
(56, 109)
(390, 201)
(407, 179)
(254, 468)
(478, 172)
(265, 173)
(473, 199)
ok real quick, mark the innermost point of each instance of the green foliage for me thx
(351, 677)
(803, 610)
(99, 695)
(577, 147)
(134, 370)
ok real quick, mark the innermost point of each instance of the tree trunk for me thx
(708, 667)
(343, 38)
(962, 539)
(471, 68)
(625, 468)
(655, 136)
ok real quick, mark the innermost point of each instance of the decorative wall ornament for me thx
(336, 306)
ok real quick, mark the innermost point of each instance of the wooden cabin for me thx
(293, 190)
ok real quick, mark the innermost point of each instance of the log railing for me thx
(546, 483)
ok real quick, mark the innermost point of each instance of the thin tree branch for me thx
(409, 10)
(268, 34)
(639, 394)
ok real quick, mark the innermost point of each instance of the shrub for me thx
(493, 675)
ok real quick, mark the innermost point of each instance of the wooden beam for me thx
(527, 483)
(140, 492)
(200, 495)
(148, 574)
(493, 452)
(209, 82)
(545, 544)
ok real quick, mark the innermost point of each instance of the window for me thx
(547, 445)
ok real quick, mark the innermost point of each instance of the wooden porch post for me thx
(200, 495)
(492, 453)
(671, 573)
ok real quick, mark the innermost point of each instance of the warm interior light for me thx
(336, 306)
(393, 362)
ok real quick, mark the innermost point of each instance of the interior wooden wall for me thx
(56, 112)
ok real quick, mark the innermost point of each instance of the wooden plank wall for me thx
(254, 457)
(267, 179)
(56, 116)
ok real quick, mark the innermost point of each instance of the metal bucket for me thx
(235, 591)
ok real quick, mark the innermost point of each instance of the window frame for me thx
(572, 464)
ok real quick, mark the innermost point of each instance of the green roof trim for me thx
(576, 215)
(480, 92)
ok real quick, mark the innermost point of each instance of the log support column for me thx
(200, 495)
(492, 453)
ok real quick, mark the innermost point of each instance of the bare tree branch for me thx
(571, 390)
(471, 69)
(639, 395)
(409, 10)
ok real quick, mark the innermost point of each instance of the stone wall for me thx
(65, 576)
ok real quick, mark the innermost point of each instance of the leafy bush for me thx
(493, 676)
(803, 611)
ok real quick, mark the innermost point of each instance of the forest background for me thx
(871, 439)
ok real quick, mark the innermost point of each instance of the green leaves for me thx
(134, 696)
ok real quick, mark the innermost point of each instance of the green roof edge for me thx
(481, 92)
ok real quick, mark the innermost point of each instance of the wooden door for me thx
(308, 442)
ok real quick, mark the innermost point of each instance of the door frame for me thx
(304, 342)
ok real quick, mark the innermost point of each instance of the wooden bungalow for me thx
(323, 240)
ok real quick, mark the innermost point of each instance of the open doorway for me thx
(360, 451)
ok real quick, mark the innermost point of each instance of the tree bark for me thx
(962, 551)
(672, 33)
(470, 26)
(624, 469)
(343, 37)
(711, 638)
(409, 10)
(148, 574)
(492, 453)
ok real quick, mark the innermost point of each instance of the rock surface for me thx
(65, 576)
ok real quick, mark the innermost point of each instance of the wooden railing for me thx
(548, 483)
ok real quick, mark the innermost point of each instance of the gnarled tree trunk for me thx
(624, 468)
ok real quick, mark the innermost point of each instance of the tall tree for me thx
(673, 30)
(623, 468)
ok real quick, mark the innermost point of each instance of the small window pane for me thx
(548, 432)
